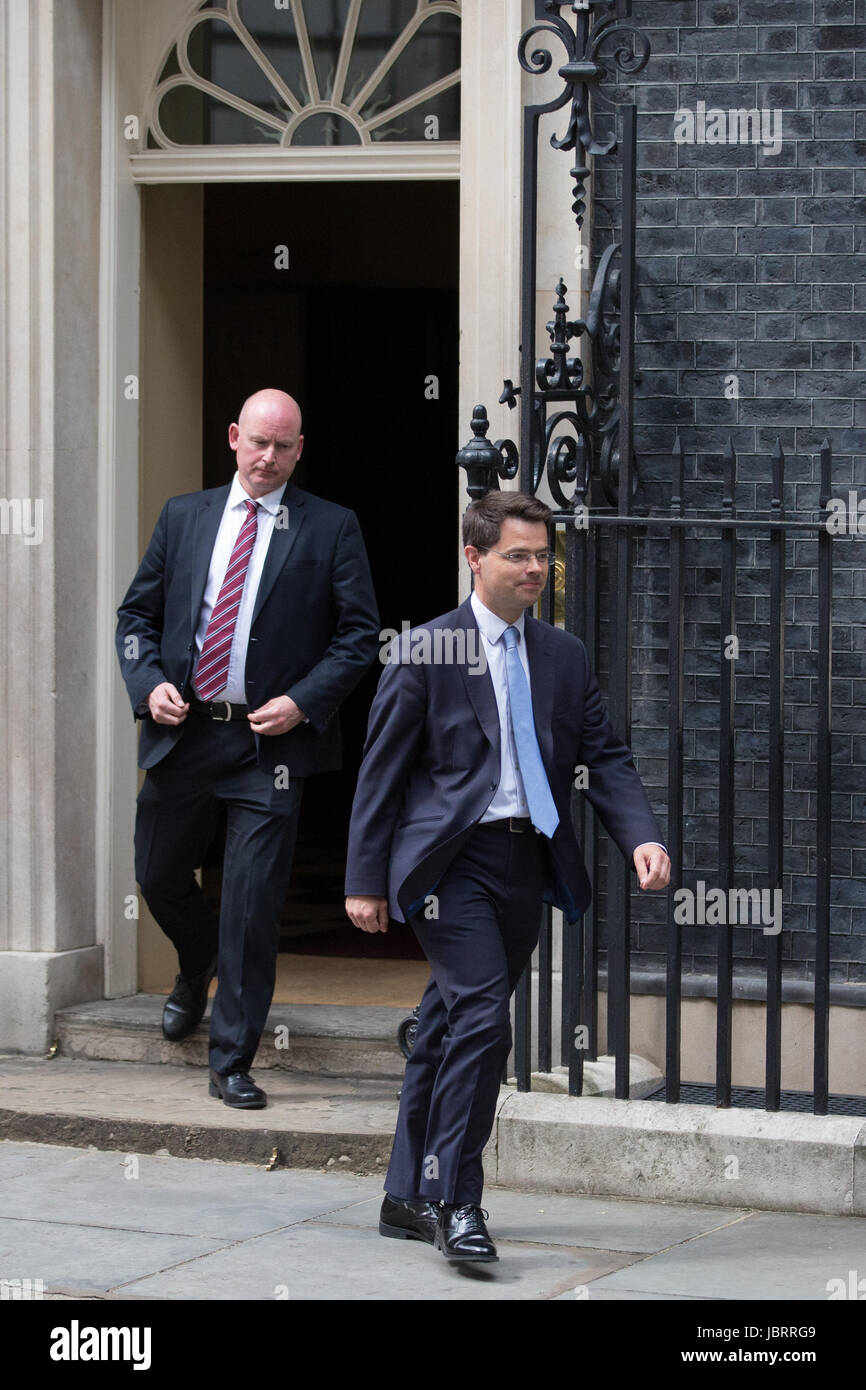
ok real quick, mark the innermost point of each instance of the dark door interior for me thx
(355, 326)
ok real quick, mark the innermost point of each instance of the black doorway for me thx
(346, 296)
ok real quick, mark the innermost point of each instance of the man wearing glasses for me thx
(461, 826)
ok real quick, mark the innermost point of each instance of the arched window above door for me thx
(296, 74)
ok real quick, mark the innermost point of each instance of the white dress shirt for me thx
(510, 798)
(233, 518)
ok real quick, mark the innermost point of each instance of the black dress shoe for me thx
(185, 1006)
(237, 1088)
(462, 1235)
(406, 1219)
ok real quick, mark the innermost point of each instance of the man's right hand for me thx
(165, 704)
(368, 913)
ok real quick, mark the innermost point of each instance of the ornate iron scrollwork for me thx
(572, 411)
(585, 68)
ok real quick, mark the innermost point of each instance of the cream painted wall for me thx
(170, 413)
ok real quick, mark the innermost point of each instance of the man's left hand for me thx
(653, 866)
(276, 717)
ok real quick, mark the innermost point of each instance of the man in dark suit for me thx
(251, 618)
(461, 825)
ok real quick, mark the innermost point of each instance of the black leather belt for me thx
(516, 824)
(222, 710)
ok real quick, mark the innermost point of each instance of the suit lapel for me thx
(207, 524)
(540, 654)
(479, 688)
(283, 537)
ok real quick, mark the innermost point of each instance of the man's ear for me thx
(234, 436)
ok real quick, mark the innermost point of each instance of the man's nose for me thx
(268, 454)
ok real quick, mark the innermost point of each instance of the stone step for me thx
(325, 1039)
(145, 1108)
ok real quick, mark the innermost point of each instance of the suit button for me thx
(493, 786)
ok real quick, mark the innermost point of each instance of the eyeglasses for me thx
(522, 557)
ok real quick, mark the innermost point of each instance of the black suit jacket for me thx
(432, 763)
(314, 629)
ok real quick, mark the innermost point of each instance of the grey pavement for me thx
(108, 1225)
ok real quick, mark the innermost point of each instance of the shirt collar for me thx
(490, 624)
(270, 501)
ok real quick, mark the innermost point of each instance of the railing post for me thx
(776, 789)
(675, 781)
(727, 711)
(619, 873)
(823, 808)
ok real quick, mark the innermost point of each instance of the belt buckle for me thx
(223, 718)
(514, 827)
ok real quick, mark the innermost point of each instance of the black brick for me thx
(823, 94)
(824, 268)
(723, 211)
(779, 297)
(831, 37)
(774, 239)
(716, 269)
(833, 210)
(763, 66)
(772, 12)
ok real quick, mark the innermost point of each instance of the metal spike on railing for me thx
(730, 475)
(777, 501)
(826, 472)
(677, 477)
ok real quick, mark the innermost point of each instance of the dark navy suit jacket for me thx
(432, 763)
(314, 629)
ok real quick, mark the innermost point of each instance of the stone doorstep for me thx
(330, 1040)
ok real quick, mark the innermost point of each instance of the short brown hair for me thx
(482, 520)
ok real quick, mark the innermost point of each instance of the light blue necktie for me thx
(542, 808)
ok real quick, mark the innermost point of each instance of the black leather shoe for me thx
(237, 1088)
(406, 1219)
(185, 1006)
(462, 1235)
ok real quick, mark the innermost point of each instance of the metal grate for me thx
(752, 1098)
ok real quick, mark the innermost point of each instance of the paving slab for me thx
(90, 1257)
(222, 1201)
(326, 1262)
(766, 1255)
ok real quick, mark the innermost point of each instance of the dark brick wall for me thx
(753, 265)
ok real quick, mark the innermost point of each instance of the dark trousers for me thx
(213, 765)
(489, 916)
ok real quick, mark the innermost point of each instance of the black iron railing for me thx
(577, 606)
(577, 435)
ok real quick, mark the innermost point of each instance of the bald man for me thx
(251, 618)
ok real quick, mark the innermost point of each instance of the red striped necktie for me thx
(211, 672)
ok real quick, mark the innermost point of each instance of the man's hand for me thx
(276, 717)
(368, 913)
(653, 866)
(165, 704)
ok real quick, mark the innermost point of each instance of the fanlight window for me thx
(311, 72)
